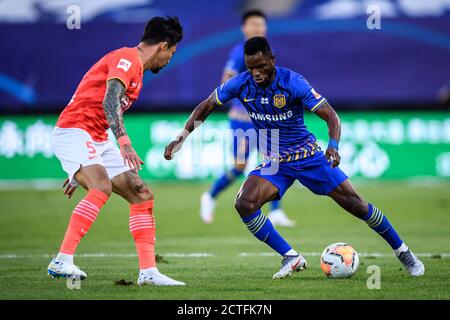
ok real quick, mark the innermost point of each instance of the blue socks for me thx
(224, 181)
(262, 228)
(378, 222)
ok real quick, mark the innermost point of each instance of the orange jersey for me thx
(85, 110)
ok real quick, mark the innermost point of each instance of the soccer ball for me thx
(339, 260)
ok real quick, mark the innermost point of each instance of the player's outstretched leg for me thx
(142, 226)
(208, 198)
(253, 194)
(347, 197)
(277, 215)
(95, 179)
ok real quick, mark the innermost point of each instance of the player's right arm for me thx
(115, 90)
(222, 94)
(197, 117)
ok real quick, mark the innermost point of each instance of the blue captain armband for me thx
(333, 144)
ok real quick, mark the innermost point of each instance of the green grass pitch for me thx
(32, 224)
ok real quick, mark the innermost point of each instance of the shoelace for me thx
(407, 258)
(286, 259)
(58, 265)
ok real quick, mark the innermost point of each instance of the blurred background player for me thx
(253, 25)
(90, 158)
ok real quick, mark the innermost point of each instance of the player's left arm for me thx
(115, 90)
(327, 113)
(312, 100)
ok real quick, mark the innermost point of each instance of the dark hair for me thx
(252, 13)
(257, 44)
(161, 29)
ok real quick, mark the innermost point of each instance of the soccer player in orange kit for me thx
(80, 141)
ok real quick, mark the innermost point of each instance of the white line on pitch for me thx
(109, 255)
(205, 255)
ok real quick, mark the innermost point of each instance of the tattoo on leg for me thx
(136, 181)
(138, 188)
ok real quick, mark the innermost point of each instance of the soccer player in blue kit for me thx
(253, 24)
(274, 98)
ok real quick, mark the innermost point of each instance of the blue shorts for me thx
(241, 147)
(314, 172)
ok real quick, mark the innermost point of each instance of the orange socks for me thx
(83, 217)
(142, 227)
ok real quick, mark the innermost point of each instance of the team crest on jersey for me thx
(279, 100)
(124, 64)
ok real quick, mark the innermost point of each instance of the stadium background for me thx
(390, 87)
(365, 74)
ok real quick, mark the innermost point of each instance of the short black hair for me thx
(252, 13)
(161, 29)
(258, 44)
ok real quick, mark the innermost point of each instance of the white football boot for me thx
(64, 269)
(207, 205)
(279, 218)
(289, 265)
(156, 278)
(413, 265)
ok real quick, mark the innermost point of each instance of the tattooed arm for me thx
(111, 104)
(113, 112)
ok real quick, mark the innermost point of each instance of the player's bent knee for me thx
(363, 208)
(245, 207)
(144, 193)
(104, 186)
(358, 207)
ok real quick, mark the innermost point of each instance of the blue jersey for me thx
(277, 106)
(236, 64)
